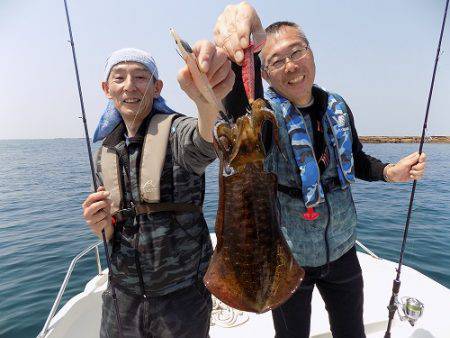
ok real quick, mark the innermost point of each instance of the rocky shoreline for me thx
(403, 139)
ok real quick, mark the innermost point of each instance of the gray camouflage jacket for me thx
(172, 250)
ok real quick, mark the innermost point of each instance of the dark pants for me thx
(341, 287)
(184, 313)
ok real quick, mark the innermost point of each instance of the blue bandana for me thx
(111, 116)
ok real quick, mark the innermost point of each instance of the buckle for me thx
(124, 214)
(294, 193)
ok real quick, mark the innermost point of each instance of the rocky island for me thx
(403, 139)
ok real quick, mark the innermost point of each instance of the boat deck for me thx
(80, 316)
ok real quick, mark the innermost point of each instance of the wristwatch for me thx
(385, 170)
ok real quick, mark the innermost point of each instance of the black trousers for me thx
(341, 286)
(184, 313)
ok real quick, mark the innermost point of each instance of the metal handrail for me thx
(66, 281)
(99, 267)
(367, 250)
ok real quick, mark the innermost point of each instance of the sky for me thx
(378, 55)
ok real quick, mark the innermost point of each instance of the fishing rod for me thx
(413, 308)
(91, 162)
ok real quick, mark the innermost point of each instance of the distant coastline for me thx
(403, 139)
(363, 139)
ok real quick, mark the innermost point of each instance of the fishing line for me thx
(91, 162)
(392, 307)
(143, 97)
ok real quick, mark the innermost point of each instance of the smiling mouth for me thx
(296, 80)
(131, 100)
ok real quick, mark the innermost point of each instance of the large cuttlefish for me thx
(252, 268)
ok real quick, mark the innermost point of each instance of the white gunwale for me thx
(81, 315)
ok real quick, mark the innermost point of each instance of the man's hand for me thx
(411, 167)
(214, 64)
(97, 213)
(233, 28)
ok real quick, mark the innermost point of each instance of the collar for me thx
(320, 98)
(318, 104)
(309, 104)
(119, 133)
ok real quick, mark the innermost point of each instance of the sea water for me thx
(44, 182)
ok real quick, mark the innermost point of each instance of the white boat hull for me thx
(81, 316)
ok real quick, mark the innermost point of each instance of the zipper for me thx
(137, 262)
(124, 160)
(327, 246)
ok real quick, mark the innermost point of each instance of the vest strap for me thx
(109, 164)
(294, 192)
(147, 208)
(154, 156)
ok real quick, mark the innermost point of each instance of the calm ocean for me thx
(43, 183)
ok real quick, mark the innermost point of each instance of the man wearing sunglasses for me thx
(318, 158)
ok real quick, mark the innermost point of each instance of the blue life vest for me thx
(332, 234)
(336, 124)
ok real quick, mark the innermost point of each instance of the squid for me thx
(252, 268)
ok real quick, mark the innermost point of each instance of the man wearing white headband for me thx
(150, 169)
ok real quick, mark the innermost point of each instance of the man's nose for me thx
(129, 83)
(289, 66)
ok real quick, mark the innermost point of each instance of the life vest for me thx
(151, 165)
(335, 227)
(336, 124)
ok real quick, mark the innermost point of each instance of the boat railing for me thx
(66, 281)
(367, 250)
(99, 267)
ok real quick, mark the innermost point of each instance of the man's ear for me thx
(158, 87)
(105, 88)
